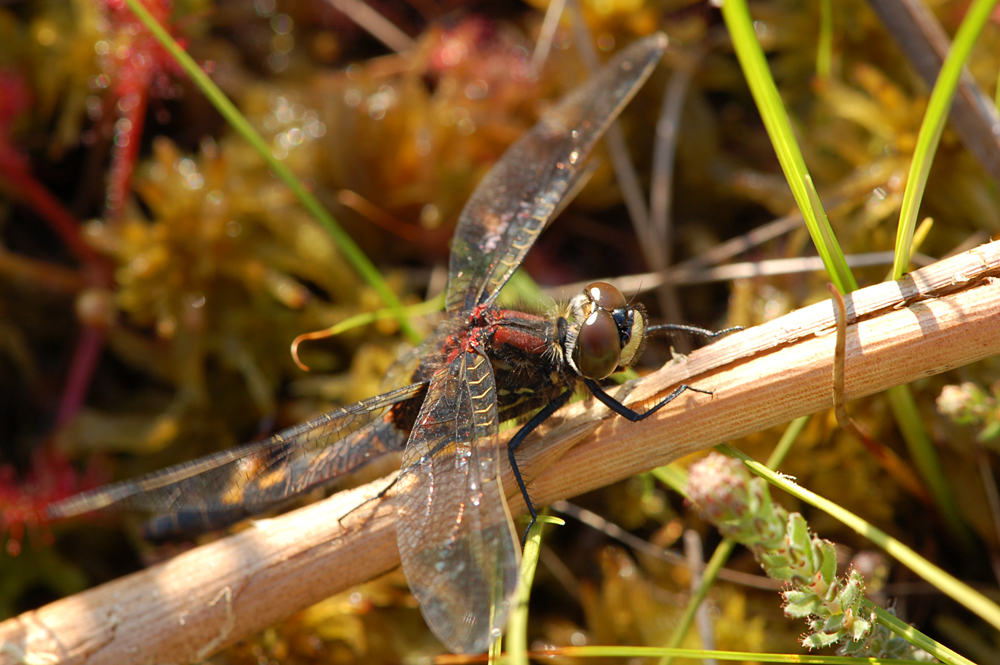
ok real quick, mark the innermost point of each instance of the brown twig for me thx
(886, 457)
(938, 318)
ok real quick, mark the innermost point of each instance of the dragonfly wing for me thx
(520, 194)
(456, 540)
(220, 489)
(417, 364)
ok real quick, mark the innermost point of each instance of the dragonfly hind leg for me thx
(518, 439)
(558, 403)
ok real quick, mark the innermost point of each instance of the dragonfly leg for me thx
(381, 494)
(632, 415)
(518, 439)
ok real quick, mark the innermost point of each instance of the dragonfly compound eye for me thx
(606, 296)
(598, 346)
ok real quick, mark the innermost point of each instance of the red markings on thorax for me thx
(488, 326)
(521, 331)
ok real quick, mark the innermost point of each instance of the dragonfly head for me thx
(609, 332)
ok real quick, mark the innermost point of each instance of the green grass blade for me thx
(824, 47)
(241, 125)
(709, 575)
(746, 656)
(435, 304)
(933, 125)
(788, 438)
(779, 129)
(946, 583)
(517, 624)
(915, 637)
(725, 548)
(904, 407)
(673, 476)
(925, 458)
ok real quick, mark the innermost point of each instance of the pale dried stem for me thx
(944, 316)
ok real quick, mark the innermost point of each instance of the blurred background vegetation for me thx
(153, 273)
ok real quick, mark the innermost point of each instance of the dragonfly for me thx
(483, 366)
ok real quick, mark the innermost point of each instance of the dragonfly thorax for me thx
(605, 334)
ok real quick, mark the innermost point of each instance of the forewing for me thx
(219, 489)
(520, 194)
(456, 540)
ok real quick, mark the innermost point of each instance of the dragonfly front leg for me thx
(693, 330)
(378, 497)
(632, 415)
(516, 441)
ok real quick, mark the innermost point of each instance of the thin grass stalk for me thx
(933, 126)
(725, 548)
(242, 126)
(779, 129)
(946, 583)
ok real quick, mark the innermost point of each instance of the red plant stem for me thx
(22, 186)
(126, 150)
(88, 351)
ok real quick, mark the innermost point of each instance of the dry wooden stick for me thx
(180, 611)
